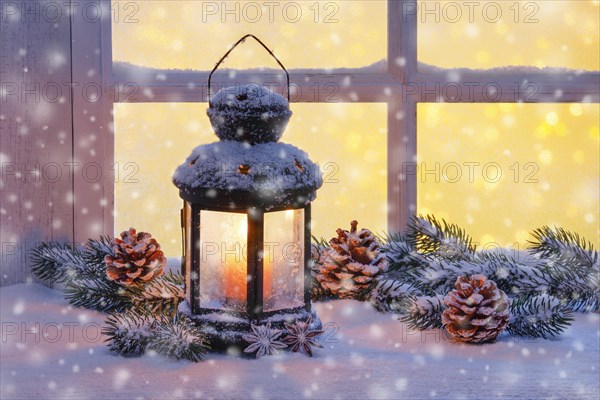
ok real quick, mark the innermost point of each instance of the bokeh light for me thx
(535, 171)
(489, 34)
(185, 34)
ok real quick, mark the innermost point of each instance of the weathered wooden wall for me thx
(36, 198)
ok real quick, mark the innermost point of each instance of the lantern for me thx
(246, 217)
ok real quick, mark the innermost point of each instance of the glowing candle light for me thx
(234, 259)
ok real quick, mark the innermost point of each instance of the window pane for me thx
(182, 34)
(502, 170)
(283, 280)
(348, 141)
(487, 34)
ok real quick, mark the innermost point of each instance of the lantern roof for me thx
(248, 167)
(249, 113)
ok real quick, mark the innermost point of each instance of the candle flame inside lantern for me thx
(223, 260)
(234, 258)
(224, 275)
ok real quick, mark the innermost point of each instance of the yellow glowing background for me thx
(547, 155)
(304, 34)
(193, 34)
(546, 33)
(348, 141)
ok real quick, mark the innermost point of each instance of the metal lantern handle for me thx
(287, 75)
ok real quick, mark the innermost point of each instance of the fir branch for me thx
(389, 291)
(445, 240)
(179, 338)
(85, 281)
(540, 316)
(161, 295)
(575, 288)
(319, 243)
(97, 293)
(440, 274)
(401, 255)
(56, 262)
(513, 277)
(563, 245)
(573, 264)
(131, 334)
(128, 333)
(421, 312)
(96, 250)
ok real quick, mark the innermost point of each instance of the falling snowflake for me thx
(301, 337)
(263, 340)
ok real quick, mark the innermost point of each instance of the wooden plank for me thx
(35, 133)
(93, 141)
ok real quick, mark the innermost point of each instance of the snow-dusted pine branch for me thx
(538, 316)
(560, 275)
(96, 250)
(131, 334)
(562, 245)
(161, 295)
(179, 338)
(428, 235)
(128, 333)
(421, 312)
(56, 262)
(83, 272)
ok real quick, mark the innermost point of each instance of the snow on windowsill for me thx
(133, 71)
(368, 355)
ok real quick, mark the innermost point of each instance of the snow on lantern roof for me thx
(248, 167)
(249, 113)
(266, 174)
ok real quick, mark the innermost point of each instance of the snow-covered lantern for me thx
(246, 217)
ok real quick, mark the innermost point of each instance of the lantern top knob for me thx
(249, 113)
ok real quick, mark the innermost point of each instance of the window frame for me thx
(92, 50)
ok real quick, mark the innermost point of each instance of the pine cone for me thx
(348, 268)
(137, 258)
(477, 311)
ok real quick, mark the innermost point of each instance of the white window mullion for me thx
(311, 88)
(402, 127)
(457, 86)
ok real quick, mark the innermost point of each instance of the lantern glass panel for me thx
(223, 261)
(283, 260)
